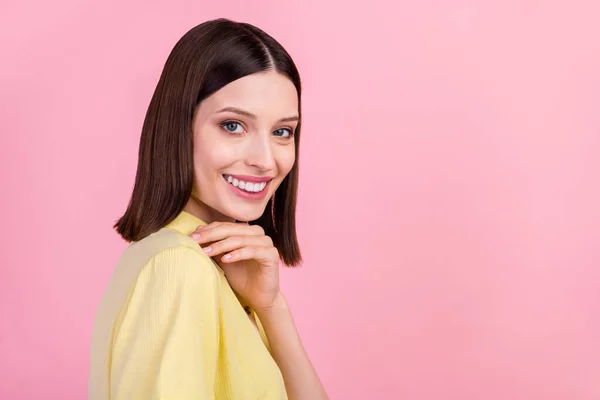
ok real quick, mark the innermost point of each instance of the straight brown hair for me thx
(208, 57)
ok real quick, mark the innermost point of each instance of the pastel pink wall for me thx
(450, 188)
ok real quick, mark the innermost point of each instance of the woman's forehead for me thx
(260, 94)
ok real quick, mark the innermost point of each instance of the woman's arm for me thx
(166, 346)
(301, 380)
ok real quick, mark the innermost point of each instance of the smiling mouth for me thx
(249, 187)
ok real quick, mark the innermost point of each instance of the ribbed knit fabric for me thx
(169, 326)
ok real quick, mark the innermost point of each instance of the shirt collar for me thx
(186, 223)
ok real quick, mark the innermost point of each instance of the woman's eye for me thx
(232, 127)
(283, 132)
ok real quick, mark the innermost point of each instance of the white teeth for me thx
(247, 186)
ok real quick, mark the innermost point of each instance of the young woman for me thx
(193, 309)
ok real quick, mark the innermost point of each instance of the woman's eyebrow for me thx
(250, 115)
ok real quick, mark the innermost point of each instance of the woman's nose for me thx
(260, 153)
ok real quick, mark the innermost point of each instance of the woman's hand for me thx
(248, 257)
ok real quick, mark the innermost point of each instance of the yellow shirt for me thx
(169, 326)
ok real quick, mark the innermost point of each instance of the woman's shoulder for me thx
(165, 266)
(164, 249)
(164, 240)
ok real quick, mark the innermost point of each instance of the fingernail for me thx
(227, 256)
(196, 236)
(207, 249)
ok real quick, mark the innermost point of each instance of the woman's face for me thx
(243, 147)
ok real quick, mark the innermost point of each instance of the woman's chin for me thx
(247, 216)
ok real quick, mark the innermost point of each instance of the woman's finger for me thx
(235, 242)
(251, 253)
(223, 230)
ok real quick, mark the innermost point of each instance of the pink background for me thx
(450, 188)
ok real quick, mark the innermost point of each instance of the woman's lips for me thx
(249, 189)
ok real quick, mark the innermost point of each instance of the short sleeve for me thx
(166, 344)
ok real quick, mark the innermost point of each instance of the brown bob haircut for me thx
(208, 57)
